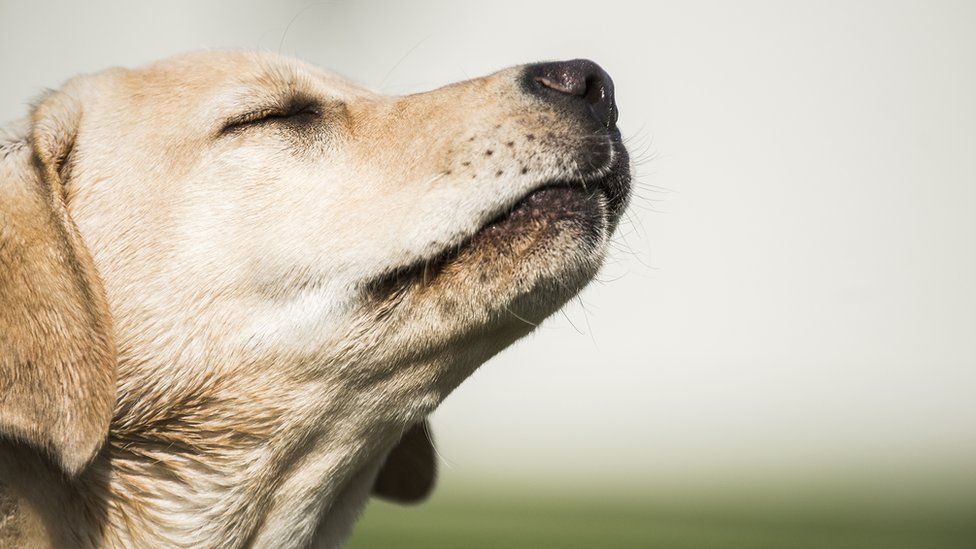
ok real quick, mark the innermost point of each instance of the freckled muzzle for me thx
(555, 139)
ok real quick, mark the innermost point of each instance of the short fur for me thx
(230, 282)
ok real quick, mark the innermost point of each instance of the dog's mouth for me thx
(588, 208)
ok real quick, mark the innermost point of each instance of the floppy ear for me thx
(57, 355)
(408, 474)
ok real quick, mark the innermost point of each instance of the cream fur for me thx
(260, 381)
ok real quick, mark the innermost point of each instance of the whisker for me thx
(402, 59)
(566, 316)
(530, 323)
(586, 317)
(281, 43)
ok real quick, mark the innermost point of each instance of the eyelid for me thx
(277, 112)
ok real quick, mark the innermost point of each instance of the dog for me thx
(233, 286)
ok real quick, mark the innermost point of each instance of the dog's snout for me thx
(581, 81)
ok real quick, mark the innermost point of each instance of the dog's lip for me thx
(597, 179)
(611, 182)
(426, 268)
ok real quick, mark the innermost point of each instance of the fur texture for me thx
(232, 281)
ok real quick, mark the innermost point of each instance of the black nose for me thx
(581, 81)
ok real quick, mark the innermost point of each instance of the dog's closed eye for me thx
(295, 113)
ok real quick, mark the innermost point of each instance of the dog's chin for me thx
(540, 254)
(520, 267)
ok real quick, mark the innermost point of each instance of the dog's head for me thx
(253, 217)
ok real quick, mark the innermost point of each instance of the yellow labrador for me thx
(232, 283)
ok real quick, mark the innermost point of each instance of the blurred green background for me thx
(747, 517)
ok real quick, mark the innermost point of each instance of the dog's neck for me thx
(236, 428)
(209, 467)
(231, 477)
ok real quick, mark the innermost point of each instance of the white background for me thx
(794, 291)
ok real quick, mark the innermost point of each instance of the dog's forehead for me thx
(225, 73)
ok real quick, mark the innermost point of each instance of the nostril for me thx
(576, 80)
(565, 85)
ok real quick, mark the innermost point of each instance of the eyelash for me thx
(294, 112)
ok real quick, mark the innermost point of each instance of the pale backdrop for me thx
(794, 290)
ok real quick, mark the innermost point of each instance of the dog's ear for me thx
(408, 474)
(57, 354)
